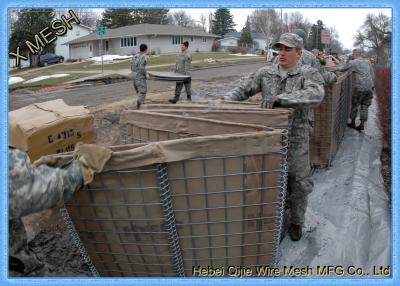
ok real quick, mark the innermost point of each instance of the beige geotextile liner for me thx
(330, 119)
(224, 191)
(204, 105)
(275, 118)
(49, 127)
(141, 126)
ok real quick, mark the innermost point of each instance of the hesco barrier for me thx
(330, 119)
(162, 208)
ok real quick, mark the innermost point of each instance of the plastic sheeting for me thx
(348, 222)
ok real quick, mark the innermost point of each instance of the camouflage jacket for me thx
(363, 73)
(138, 65)
(35, 189)
(302, 89)
(309, 59)
(183, 61)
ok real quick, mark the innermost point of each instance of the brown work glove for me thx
(92, 159)
(48, 160)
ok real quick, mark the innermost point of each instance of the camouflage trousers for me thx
(300, 182)
(140, 85)
(360, 99)
(179, 86)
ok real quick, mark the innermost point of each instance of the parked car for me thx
(49, 58)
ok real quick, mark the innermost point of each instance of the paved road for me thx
(99, 94)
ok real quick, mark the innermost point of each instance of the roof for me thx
(141, 30)
(237, 35)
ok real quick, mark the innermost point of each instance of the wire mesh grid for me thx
(330, 121)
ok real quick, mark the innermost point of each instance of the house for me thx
(231, 40)
(126, 40)
(77, 31)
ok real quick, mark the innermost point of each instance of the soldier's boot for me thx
(295, 232)
(189, 97)
(352, 124)
(138, 105)
(175, 99)
(361, 126)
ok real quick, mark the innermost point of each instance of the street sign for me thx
(325, 37)
(101, 30)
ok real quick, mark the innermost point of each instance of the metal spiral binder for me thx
(169, 218)
(124, 134)
(282, 197)
(78, 242)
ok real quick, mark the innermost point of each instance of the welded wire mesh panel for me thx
(120, 221)
(226, 209)
(330, 119)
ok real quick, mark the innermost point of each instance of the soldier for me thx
(33, 188)
(139, 74)
(309, 58)
(182, 66)
(363, 88)
(290, 84)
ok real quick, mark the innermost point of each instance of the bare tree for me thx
(87, 16)
(210, 21)
(267, 22)
(297, 21)
(181, 18)
(203, 21)
(376, 34)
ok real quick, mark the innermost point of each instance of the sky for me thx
(345, 20)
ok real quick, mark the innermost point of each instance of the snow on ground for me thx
(39, 78)
(245, 55)
(347, 220)
(108, 58)
(15, 79)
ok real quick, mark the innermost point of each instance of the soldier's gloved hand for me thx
(92, 159)
(48, 160)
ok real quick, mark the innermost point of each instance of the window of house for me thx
(204, 39)
(177, 40)
(128, 42)
(191, 38)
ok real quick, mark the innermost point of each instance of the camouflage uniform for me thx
(32, 190)
(138, 68)
(363, 84)
(301, 90)
(182, 66)
(309, 59)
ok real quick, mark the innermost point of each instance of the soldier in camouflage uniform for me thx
(139, 74)
(290, 84)
(308, 58)
(182, 66)
(363, 88)
(33, 188)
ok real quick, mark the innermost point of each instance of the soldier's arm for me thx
(132, 64)
(310, 95)
(142, 66)
(188, 61)
(35, 189)
(345, 67)
(247, 87)
(329, 77)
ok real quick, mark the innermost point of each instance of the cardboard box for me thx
(49, 127)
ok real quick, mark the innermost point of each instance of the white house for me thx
(231, 40)
(76, 32)
(126, 40)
